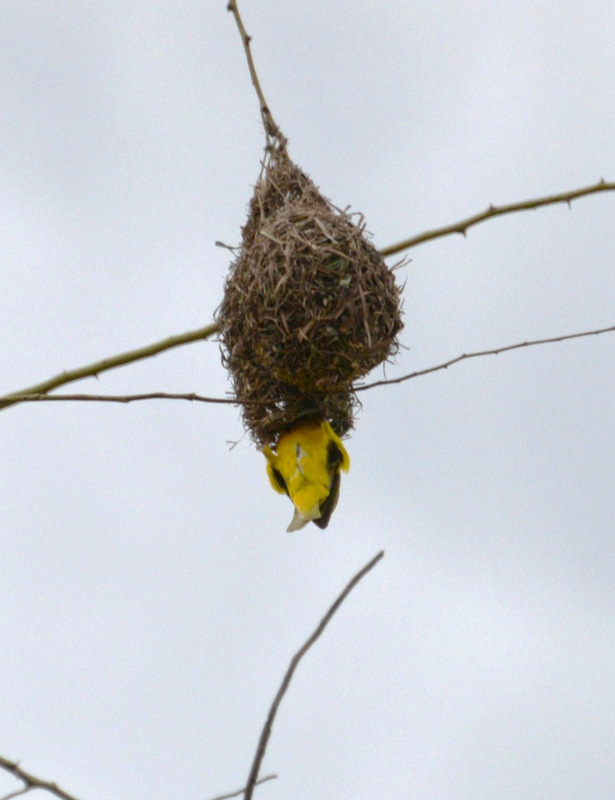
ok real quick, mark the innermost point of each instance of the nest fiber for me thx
(309, 306)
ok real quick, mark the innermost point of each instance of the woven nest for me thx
(309, 306)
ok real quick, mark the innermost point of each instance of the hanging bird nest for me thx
(309, 305)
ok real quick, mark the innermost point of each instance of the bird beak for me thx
(297, 522)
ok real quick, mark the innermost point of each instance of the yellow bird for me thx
(306, 466)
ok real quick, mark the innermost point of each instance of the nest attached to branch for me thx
(309, 306)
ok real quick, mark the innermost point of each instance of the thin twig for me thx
(18, 793)
(93, 370)
(242, 791)
(31, 781)
(266, 732)
(271, 128)
(496, 211)
(478, 353)
(125, 398)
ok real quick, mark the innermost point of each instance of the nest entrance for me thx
(309, 305)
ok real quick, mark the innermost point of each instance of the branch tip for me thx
(496, 211)
(271, 128)
(294, 663)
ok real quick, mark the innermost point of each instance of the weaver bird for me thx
(306, 466)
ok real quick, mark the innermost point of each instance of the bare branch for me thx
(271, 128)
(31, 781)
(266, 732)
(125, 398)
(93, 370)
(496, 211)
(18, 793)
(242, 791)
(478, 353)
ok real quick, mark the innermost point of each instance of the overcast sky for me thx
(150, 598)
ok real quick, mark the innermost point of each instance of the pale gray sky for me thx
(150, 598)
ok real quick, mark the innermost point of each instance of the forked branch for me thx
(31, 782)
(239, 792)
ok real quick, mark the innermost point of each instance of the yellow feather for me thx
(306, 465)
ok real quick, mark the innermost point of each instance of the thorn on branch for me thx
(496, 211)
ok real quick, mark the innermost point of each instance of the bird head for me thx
(305, 464)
